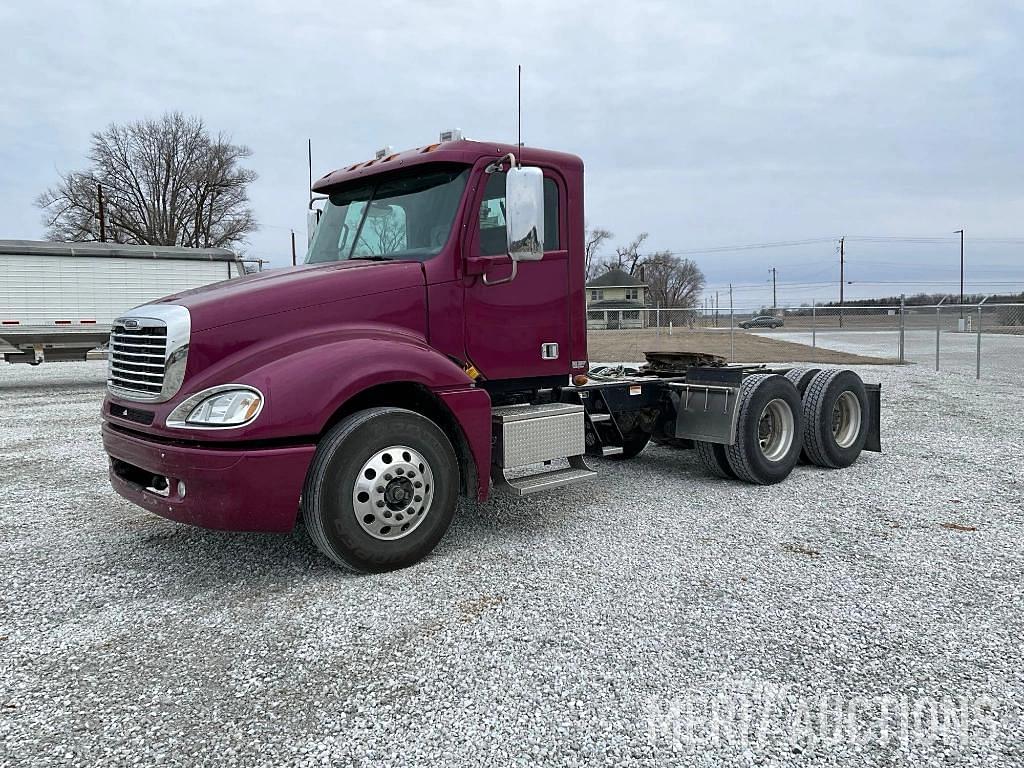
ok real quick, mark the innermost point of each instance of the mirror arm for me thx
(509, 279)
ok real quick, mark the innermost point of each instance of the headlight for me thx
(229, 405)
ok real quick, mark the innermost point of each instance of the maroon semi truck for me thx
(432, 346)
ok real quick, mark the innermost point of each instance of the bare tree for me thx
(672, 281)
(389, 229)
(628, 257)
(591, 247)
(164, 182)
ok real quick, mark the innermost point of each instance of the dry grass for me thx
(630, 345)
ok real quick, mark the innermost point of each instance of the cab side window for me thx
(493, 240)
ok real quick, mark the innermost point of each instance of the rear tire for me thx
(715, 459)
(381, 491)
(768, 429)
(835, 408)
(801, 377)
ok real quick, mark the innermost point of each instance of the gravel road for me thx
(606, 625)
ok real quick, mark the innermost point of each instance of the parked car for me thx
(763, 321)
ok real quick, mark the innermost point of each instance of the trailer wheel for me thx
(768, 430)
(381, 490)
(713, 457)
(801, 377)
(835, 418)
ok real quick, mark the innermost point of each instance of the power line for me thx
(899, 239)
(919, 240)
(750, 246)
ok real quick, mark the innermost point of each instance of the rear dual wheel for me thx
(768, 430)
(835, 407)
(801, 378)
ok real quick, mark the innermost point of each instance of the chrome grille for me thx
(147, 353)
(137, 358)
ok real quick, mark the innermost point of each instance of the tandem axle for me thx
(700, 410)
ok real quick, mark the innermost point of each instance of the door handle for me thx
(479, 266)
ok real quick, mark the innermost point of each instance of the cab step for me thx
(543, 481)
(611, 450)
(527, 435)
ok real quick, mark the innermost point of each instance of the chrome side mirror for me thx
(524, 217)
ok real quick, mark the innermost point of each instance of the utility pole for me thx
(961, 232)
(842, 276)
(717, 305)
(293, 248)
(103, 221)
(775, 300)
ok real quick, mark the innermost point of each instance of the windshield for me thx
(390, 218)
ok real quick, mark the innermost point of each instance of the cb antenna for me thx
(309, 152)
(519, 111)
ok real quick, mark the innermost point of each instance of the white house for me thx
(614, 300)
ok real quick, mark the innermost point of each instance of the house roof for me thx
(616, 278)
(616, 304)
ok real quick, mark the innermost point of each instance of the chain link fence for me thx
(981, 340)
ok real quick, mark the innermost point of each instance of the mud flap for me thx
(706, 412)
(874, 436)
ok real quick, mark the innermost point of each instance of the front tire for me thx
(381, 491)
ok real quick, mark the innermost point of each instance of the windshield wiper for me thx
(369, 258)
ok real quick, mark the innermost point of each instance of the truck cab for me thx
(408, 300)
(428, 344)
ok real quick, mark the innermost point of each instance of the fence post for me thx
(814, 323)
(938, 329)
(657, 320)
(732, 332)
(977, 370)
(903, 310)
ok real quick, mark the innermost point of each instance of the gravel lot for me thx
(571, 629)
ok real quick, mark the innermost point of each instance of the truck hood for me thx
(268, 293)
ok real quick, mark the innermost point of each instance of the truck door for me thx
(517, 329)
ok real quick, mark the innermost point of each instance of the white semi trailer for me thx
(58, 300)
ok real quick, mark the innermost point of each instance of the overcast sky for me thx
(706, 125)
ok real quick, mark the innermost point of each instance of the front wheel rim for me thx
(775, 430)
(393, 492)
(846, 415)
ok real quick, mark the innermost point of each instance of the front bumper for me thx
(254, 489)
